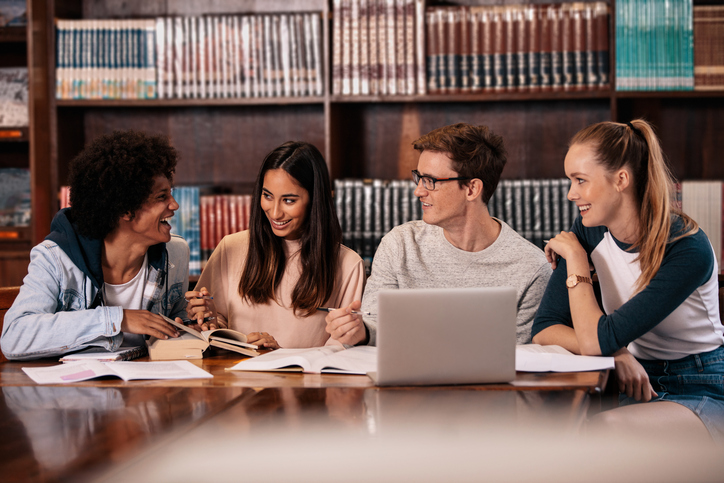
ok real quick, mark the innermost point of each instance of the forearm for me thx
(585, 311)
(560, 335)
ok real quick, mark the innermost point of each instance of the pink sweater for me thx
(222, 274)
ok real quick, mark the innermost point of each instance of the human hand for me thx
(345, 326)
(263, 340)
(632, 377)
(564, 245)
(201, 308)
(146, 323)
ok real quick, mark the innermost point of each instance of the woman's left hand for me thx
(564, 245)
(632, 377)
(263, 340)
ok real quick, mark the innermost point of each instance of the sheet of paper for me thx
(68, 372)
(355, 360)
(536, 358)
(126, 370)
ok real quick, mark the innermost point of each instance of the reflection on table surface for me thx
(433, 434)
(50, 432)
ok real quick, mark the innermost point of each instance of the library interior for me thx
(228, 81)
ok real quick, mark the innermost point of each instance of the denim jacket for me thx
(60, 306)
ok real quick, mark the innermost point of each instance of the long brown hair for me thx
(636, 146)
(320, 240)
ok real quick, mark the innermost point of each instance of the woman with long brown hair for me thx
(659, 287)
(269, 281)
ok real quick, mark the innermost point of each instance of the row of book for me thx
(708, 47)
(538, 209)
(654, 45)
(224, 56)
(14, 197)
(105, 59)
(220, 56)
(378, 47)
(367, 209)
(13, 96)
(518, 48)
(702, 200)
(203, 220)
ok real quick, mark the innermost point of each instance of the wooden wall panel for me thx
(13, 267)
(375, 139)
(220, 146)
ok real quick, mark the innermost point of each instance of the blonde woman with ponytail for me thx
(659, 289)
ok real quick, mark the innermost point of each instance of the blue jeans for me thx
(695, 381)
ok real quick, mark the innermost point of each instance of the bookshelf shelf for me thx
(668, 94)
(13, 34)
(14, 134)
(477, 97)
(150, 103)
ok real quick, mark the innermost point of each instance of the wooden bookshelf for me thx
(222, 141)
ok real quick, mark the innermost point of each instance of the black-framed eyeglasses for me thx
(429, 182)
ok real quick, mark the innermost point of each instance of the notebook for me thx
(446, 336)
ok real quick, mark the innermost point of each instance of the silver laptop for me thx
(446, 336)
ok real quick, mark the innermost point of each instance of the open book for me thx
(192, 343)
(98, 354)
(331, 359)
(82, 371)
(554, 358)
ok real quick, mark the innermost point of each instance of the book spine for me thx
(391, 48)
(410, 51)
(374, 48)
(337, 47)
(602, 48)
(364, 48)
(301, 53)
(499, 45)
(465, 49)
(306, 21)
(535, 47)
(442, 43)
(453, 50)
(523, 47)
(510, 20)
(400, 55)
(567, 47)
(354, 48)
(432, 47)
(589, 31)
(420, 67)
(382, 74)
(555, 22)
(486, 49)
(578, 34)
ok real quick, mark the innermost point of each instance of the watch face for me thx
(571, 281)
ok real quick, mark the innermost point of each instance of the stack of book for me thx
(223, 56)
(538, 209)
(105, 59)
(378, 47)
(221, 215)
(517, 48)
(368, 209)
(13, 97)
(654, 45)
(702, 200)
(186, 223)
(14, 197)
(708, 47)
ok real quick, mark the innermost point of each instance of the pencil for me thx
(329, 309)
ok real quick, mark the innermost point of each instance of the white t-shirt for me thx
(129, 295)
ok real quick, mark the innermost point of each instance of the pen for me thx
(329, 309)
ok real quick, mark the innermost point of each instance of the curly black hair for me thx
(114, 176)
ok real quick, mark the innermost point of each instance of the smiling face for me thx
(151, 221)
(596, 192)
(284, 202)
(445, 206)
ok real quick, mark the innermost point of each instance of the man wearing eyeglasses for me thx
(457, 243)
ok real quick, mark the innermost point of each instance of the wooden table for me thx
(106, 429)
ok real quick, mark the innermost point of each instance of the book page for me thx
(69, 372)
(529, 358)
(186, 328)
(99, 354)
(306, 359)
(355, 360)
(129, 370)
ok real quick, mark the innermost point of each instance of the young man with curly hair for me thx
(110, 264)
